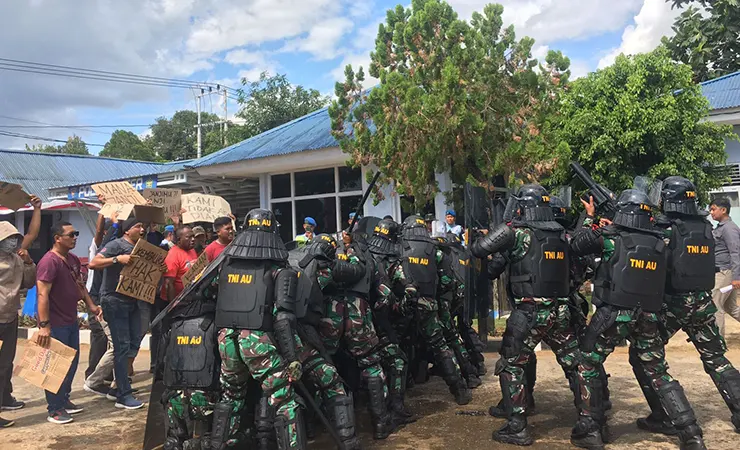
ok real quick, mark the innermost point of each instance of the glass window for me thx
(323, 211)
(408, 208)
(350, 179)
(280, 185)
(348, 205)
(284, 214)
(314, 182)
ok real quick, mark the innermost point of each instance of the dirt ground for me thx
(439, 427)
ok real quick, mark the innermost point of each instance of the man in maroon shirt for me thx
(60, 287)
(224, 227)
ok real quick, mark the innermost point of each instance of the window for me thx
(281, 186)
(327, 195)
(408, 208)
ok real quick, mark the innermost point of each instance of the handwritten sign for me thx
(148, 214)
(123, 211)
(13, 196)
(45, 367)
(119, 192)
(204, 208)
(140, 279)
(195, 269)
(168, 199)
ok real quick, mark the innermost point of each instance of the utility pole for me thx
(197, 107)
(226, 119)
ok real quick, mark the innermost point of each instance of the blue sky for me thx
(224, 40)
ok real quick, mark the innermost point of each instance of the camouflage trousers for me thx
(452, 337)
(534, 320)
(431, 328)
(320, 372)
(609, 327)
(246, 353)
(394, 362)
(349, 319)
(185, 406)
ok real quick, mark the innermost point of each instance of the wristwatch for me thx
(115, 260)
(43, 324)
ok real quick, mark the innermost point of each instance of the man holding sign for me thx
(178, 262)
(121, 311)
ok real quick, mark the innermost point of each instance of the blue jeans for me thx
(124, 321)
(68, 335)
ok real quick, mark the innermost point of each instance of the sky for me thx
(223, 41)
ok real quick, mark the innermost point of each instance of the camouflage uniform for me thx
(394, 360)
(188, 406)
(551, 322)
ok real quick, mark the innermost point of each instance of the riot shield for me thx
(649, 186)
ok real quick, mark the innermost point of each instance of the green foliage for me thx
(126, 145)
(643, 116)
(175, 139)
(73, 146)
(457, 96)
(708, 40)
(272, 101)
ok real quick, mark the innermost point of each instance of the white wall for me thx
(86, 236)
(390, 206)
(733, 147)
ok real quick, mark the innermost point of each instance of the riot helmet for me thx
(534, 203)
(415, 229)
(679, 196)
(322, 245)
(634, 210)
(259, 239)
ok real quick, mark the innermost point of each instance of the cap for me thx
(309, 221)
(451, 212)
(169, 229)
(197, 231)
(352, 215)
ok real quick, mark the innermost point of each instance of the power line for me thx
(40, 138)
(50, 124)
(75, 126)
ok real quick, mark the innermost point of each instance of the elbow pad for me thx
(284, 327)
(496, 266)
(286, 288)
(586, 242)
(499, 239)
(346, 272)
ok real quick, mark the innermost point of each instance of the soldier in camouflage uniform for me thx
(420, 277)
(452, 288)
(688, 302)
(536, 248)
(384, 250)
(349, 320)
(255, 315)
(628, 293)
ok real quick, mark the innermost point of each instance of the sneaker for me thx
(72, 408)
(112, 395)
(12, 404)
(129, 402)
(60, 416)
(97, 390)
(5, 423)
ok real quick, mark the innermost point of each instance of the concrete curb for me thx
(25, 333)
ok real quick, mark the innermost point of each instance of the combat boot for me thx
(382, 420)
(514, 432)
(657, 423)
(458, 386)
(401, 414)
(587, 434)
(691, 438)
(463, 395)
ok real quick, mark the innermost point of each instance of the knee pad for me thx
(342, 413)
(282, 430)
(676, 405)
(517, 329)
(729, 386)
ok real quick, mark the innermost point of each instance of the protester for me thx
(169, 237)
(179, 260)
(17, 271)
(154, 236)
(60, 287)
(121, 312)
(727, 261)
(309, 227)
(199, 233)
(224, 227)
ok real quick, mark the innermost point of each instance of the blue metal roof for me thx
(723, 92)
(310, 132)
(38, 172)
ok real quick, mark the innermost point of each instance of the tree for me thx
(74, 146)
(272, 101)
(707, 38)
(176, 138)
(126, 145)
(216, 139)
(453, 96)
(643, 116)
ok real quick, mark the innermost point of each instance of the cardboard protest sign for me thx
(45, 367)
(140, 278)
(204, 208)
(168, 199)
(195, 269)
(124, 211)
(147, 214)
(119, 192)
(12, 196)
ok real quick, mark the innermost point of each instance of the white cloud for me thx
(322, 39)
(652, 22)
(579, 68)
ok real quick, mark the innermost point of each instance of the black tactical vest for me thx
(246, 295)
(310, 299)
(635, 275)
(192, 359)
(545, 269)
(362, 286)
(691, 256)
(460, 260)
(420, 266)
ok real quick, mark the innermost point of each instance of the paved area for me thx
(102, 426)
